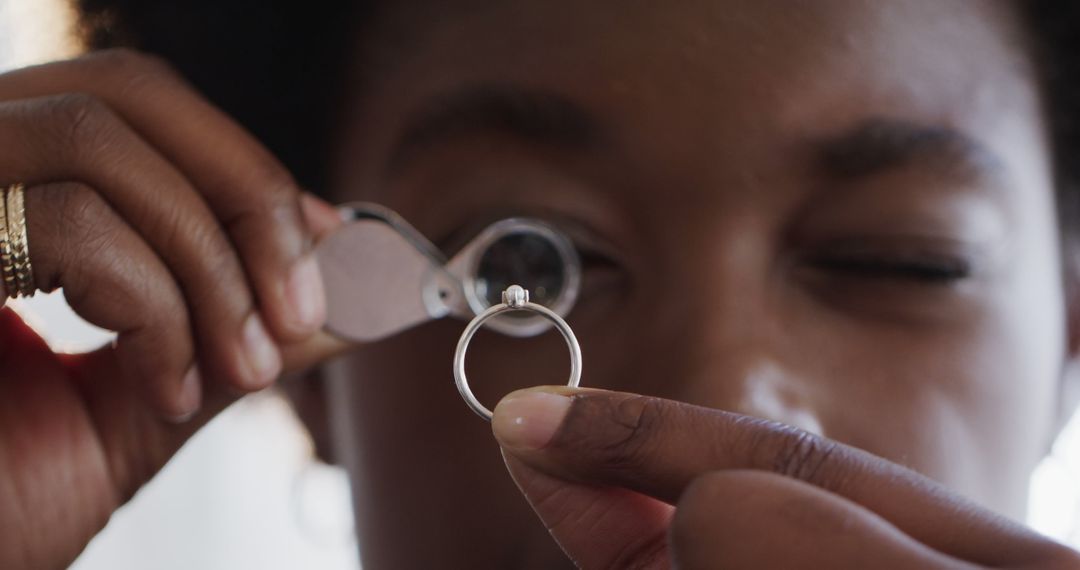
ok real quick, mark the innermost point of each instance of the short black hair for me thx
(1055, 34)
(278, 66)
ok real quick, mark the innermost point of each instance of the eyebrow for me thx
(537, 116)
(880, 145)
(874, 147)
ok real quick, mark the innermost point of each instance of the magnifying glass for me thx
(382, 276)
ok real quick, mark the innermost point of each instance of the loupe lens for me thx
(527, 259)
(526, 252)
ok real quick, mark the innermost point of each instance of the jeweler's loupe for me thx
(382, 276)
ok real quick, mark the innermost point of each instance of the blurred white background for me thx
(245, 493)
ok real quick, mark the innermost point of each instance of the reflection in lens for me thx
(526, 259)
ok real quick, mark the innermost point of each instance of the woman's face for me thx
(835, 214)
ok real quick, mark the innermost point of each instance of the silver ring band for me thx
(515, 298)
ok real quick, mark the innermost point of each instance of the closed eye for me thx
(920, 268)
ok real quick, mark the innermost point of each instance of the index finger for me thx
(658, 447)
(253, 196)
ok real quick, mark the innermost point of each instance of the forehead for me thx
(680, 81)
(679, 49)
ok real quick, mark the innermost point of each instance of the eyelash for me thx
(591, 258)
(918, 269)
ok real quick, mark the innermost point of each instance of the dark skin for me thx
(809, 216)
(806, 215)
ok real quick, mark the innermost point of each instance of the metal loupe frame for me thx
(564, 301)
(352, 211)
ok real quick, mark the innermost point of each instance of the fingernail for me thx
(264, 362)
(305, 295)
(528, 420)
(190, 397)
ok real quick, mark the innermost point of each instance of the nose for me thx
(714, 335)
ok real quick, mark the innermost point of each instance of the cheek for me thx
(970, 405)
(1001, 408)
(1021, 349)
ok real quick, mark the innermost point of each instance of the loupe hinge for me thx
(443, 295)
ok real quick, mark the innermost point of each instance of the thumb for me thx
(596, 526)
(322, 219)
(320, 216)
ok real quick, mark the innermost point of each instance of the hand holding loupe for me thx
(382, 276)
